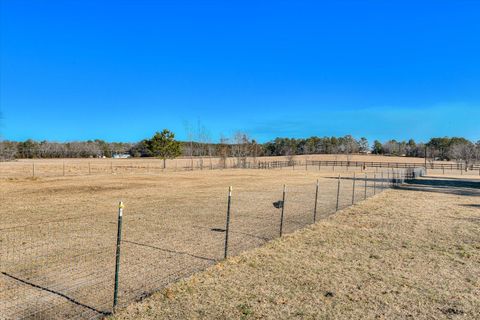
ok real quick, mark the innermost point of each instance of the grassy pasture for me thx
(412, 253)
(26, 168)
(57, 239)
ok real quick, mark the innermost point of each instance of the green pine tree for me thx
(164, 146)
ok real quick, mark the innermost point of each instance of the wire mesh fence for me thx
(56, 269)
(67, 268)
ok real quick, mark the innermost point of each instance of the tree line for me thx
(241, 146)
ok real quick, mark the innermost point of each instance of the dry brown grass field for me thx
(72, 167)
(58, 234)
(409, 253)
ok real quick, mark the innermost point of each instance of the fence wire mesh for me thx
(63, 268)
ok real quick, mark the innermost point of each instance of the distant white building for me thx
(121, 156)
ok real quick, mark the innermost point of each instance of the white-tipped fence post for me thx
(117, 255)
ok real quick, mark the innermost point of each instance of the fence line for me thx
(85, 269)
(151, 166)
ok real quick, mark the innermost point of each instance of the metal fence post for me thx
(353, 192)
(89, 169)
(383, 183)
(366, 178)
(117, 256)
(374, 184)
(338, 194)
(227, 226)
(64, 168)
(283, 208)
(33, 169)
(315, 207)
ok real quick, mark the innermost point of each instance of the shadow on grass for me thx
(170, 251)
(222, 230)
(471, 205)
(70, 299)
(456, 186)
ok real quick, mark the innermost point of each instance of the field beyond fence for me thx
(59, 238)
(40, 168)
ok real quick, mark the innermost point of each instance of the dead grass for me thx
(58, 234)
(403, 254)
(26, 168)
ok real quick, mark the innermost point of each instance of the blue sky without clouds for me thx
(120, 70)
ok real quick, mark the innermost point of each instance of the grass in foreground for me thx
(403, 254)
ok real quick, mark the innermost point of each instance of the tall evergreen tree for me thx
(164, 146)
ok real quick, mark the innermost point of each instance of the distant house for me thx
(121, 156)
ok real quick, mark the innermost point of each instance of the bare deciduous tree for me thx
(463, 152)
(240, 149)
(223, 151)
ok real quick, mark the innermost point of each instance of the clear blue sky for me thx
(120, 70)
